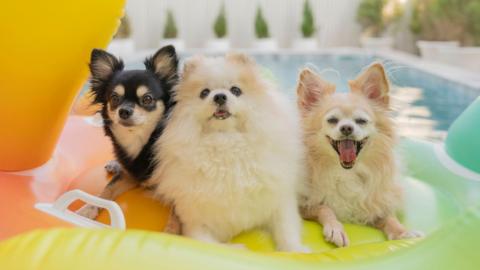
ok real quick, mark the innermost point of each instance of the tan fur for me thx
(368, 192)
(103, 68)
(163, 66)
(141, 90)
(119, 90)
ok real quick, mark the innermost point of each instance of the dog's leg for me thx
(174, 225)
(198, 232)
(201, 233)
(286, 228)
(332, 228)
(394, 230)
(119, 184)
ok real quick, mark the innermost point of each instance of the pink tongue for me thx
(348, 151)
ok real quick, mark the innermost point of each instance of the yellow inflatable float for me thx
(39, 82)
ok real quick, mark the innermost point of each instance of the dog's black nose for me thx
(125, 113)
(346, 130)
(220, 99)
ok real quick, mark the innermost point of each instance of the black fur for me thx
(107, 72)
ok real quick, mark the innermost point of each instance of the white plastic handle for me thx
(60, 209)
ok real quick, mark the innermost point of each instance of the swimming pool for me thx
(424, 104)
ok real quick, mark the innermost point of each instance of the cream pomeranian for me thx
(350, 141)
(232, 154)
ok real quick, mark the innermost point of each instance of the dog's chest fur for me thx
(360, 195)
(223, 175)
(134, 149)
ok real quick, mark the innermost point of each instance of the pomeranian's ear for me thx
(372, 83)
(102, 66)
(240, 58)
(311, 88)
(164, 63)
(192, 64)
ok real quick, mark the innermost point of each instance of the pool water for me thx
(424, 105)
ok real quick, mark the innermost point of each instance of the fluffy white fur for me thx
(367, 193)
(228, 176)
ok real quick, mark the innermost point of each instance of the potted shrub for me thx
(221, 42)
(264, 42)
(170, 34)
(122, 43)
(308, 40)
(378, 19)
(473, 19)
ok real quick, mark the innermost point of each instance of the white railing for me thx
(335, 20)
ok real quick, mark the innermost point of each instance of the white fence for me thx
(335, 20)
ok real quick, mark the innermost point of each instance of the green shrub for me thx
(220, 25)
(442, 20)
(124, 28)
(369, 15)
(308, 24)
(261, 27)
(473, 16)
(170, 30)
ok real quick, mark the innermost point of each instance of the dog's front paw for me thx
(334, 233)
(113, 167)
(88, 211)
(405, 235)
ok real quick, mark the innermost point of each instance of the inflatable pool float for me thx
(39, 164)
(442, 194)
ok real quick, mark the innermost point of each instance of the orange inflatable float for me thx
(39, 82)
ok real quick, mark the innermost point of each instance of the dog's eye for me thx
(204, 93)
(147, 100)
(114, 99)
(236, 91)
(361, 121)
(332, 120)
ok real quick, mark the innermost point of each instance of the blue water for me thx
(424, 104)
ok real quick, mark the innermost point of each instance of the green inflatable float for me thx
(443, 200)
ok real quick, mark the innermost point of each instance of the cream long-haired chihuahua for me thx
(350, 141)
(232, 154)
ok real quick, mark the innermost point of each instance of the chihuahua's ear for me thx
(102, 67)
(311, 88)
(164, 63)
(372, 83)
